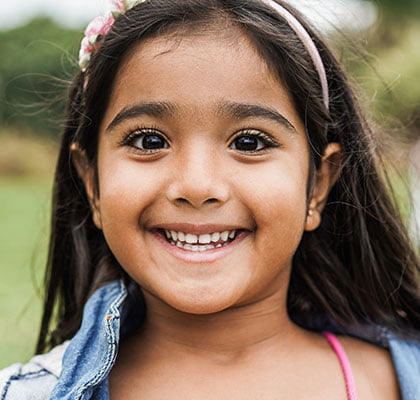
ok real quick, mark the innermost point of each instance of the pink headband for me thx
(303, 35)
(100, 26)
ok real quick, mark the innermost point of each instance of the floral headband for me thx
(100, 26)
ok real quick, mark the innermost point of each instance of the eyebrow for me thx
(242, 111)
(152, 109)
(238, 111)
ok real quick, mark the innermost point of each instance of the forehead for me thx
(196, 72)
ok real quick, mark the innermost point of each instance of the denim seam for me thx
(47, 370)
(5, 389)
(112, 349)
(18, 376)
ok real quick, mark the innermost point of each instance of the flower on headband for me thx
(121, 6)
(85, 53)
(99, 27)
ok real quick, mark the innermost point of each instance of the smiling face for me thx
(203, 171)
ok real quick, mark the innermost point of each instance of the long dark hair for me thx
(357, 268)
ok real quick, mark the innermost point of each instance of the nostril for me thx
(182, 200)
(212, 200)
(196, 202)
(184, 192)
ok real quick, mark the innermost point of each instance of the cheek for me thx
(276, 187)
(276, 197)
(127, 191)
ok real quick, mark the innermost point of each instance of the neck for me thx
(236, 332)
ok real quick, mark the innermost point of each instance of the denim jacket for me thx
(79, 369)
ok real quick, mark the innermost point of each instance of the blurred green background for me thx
(38, 59)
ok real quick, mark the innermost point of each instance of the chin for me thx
(199, 308)
(198, 301)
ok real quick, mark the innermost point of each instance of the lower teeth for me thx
(198, 248)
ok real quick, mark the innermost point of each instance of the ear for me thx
(87, 175)
(325, 178)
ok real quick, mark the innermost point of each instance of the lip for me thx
(207, 256)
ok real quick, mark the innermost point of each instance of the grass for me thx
(25, 189)
(26, 165)
(25, 202)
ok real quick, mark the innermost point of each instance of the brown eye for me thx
(148, 141)
(151, 142)
(247, 143)
(253, 141)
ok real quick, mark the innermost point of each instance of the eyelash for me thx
(267, 140)
(132, 135)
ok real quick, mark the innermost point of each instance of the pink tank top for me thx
(345, 365)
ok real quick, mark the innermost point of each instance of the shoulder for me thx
(34, 380)
(373, 369)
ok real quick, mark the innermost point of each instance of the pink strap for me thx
(345, 365)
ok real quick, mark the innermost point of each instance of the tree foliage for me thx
(396, 10)
(37, 61)
(386, 65)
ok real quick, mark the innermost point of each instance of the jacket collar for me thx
(92, 352)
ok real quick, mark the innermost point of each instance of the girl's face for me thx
(201, 143)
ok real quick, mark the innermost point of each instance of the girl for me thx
(219, 218)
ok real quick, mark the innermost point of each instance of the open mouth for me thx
(200, 243)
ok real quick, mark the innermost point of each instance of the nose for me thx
(198, 181)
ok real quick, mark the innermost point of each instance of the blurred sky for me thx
(357, 14)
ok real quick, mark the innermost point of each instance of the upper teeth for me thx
(202, 239)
